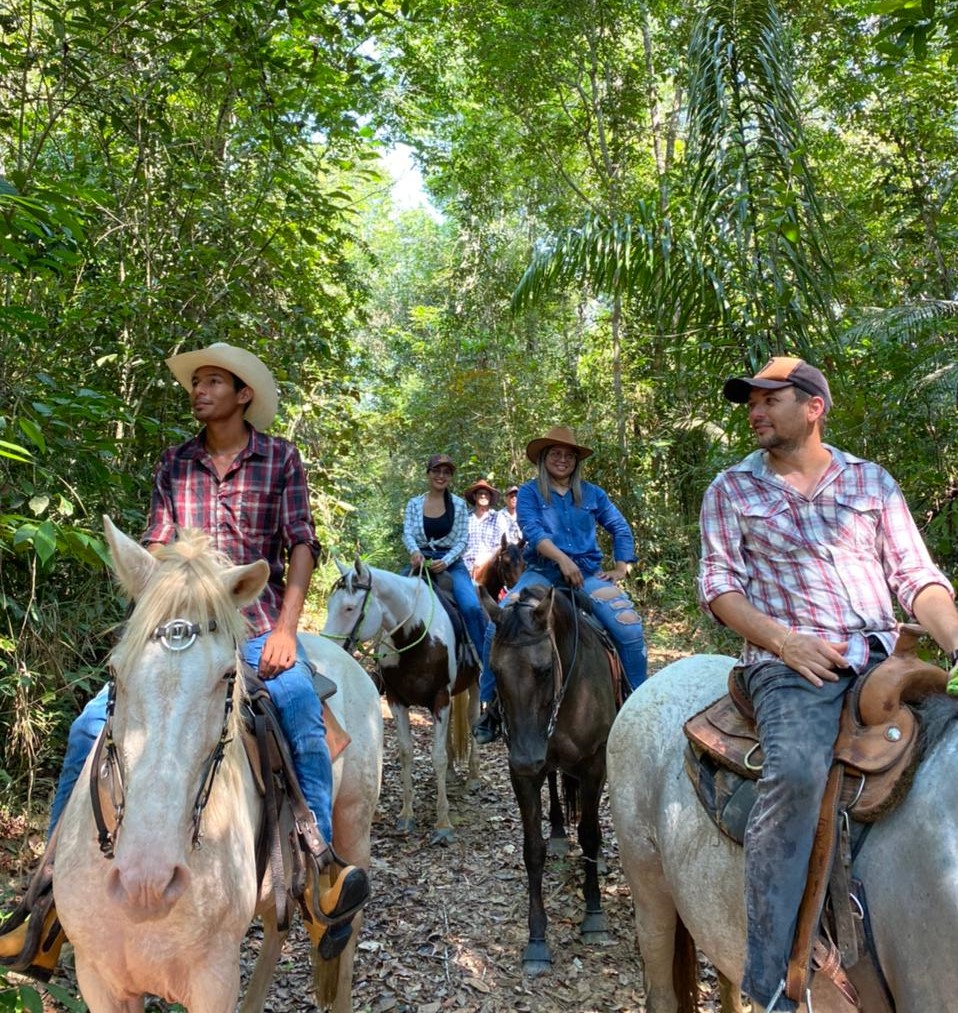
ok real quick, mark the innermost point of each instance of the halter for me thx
(352, 639)
(560, 681)
(176, 635)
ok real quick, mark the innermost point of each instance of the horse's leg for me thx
(594, 928)
(730, 995)
(558, 842)
(255, 998)
(406, 823)
(528, 790)
(442, 834)
(98, 998)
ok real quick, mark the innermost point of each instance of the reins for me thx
(176, 635)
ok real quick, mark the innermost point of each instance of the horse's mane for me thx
(185, 585)
(937, 715)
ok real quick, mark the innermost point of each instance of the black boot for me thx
(489, 727)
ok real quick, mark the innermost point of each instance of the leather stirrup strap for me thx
(827, 960)
(850, 939)
(270, 838)
(816, 887)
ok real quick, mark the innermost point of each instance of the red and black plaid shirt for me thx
(258, 510)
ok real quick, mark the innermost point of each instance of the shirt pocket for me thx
(855, 519)
(770, 530)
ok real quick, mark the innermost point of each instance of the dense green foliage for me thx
(632, 201)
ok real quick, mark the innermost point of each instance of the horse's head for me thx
(525, 660)
(353, 612)
(175, 696)
(510, 562)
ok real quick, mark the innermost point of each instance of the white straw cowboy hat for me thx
(245, 365)
(557, 436)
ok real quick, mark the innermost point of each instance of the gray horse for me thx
(682, 871)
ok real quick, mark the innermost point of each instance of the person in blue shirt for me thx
(560, 514)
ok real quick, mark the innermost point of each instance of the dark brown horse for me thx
(558, 703)
(501, 570)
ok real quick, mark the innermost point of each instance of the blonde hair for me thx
(575, 482)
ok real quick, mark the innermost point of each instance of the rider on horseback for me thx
(248, 492)
(800, 545)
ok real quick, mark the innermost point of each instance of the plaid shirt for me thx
(822, 564)
(258, 510)
(485, 537)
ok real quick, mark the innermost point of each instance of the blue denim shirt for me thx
(572, 528)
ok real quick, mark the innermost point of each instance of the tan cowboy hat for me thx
(245, 365)
(470, 493)
(557, 436)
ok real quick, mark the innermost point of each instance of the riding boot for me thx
(342, 891)
(489, 726)
(31, 937)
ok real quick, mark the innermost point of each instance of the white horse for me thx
(167, 915)
(415, 646)
(681, 868)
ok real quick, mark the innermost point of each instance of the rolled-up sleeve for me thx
(722, 568)
(296, 518)
(906, 561)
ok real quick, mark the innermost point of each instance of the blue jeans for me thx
(611, 606)
(467, 599)
(300, 716)
(798, 725)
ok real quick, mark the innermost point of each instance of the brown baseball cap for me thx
(437, 460)
(780, 371)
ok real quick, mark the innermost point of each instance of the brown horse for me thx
(558, 703)
(501, 570)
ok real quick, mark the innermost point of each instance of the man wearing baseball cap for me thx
(802, 547)
(248, 492)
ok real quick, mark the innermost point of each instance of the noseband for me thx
(176, 635)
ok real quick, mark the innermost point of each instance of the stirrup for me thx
(38, 926)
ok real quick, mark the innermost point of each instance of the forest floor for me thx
(446, 926)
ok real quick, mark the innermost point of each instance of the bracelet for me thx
(788, 636)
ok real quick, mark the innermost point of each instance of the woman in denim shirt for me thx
(559, 514)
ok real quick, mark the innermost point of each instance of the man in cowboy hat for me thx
(248, 492)
(802, 546)
(484, 533)
(509, 518)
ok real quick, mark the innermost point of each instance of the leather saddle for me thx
(875, 759)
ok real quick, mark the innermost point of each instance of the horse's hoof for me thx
(594, 928)
(558, 846)
(405, 825)
(443, 837)
(536, 959)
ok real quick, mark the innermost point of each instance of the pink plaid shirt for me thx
(258, 510)
(825, 564)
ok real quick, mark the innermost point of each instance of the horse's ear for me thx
(342, 567)
(360, 567)
(504, 542)
(245, 583)
(543, 610)
(490, 605)
(132, 564)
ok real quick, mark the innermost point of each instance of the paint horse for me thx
(558, 702)
(163, 907)
(501, 570)
(415, 647)
(687, 877)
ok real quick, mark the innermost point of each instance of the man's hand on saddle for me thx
(816, 659)
(279, 653)
(436, 565)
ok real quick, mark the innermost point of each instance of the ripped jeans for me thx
(611, 606)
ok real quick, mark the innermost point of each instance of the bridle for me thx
(349, 642)
(562, 677)
(176, 635)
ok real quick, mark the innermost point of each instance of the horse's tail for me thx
(685, 969)
(570, 799)
(460, 734)
(326, 980)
